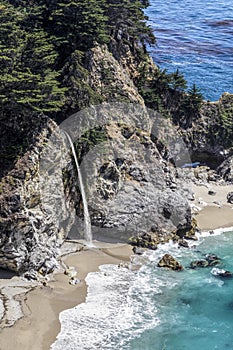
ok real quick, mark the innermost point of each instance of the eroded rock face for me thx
(109, 78)
(209, 136)
(225, 170)
(131, 185)
(170, 262)
(35, 212)
(129, 189)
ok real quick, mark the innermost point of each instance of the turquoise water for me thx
(154, 308)
(197, 38)
(194, 307)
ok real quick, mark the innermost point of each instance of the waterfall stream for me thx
(87, 220)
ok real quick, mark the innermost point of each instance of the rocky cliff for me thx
(31, 232)
(132, 172)
(209, 136)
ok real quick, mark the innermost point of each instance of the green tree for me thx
(76, 24)
(193, 100)
(127, 21)
(178, 81)
(28, 81)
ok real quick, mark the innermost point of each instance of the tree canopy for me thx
(40, 38)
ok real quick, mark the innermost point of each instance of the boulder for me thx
(183, 243)
(170, 262)
(211, 193)
(221, 272)
(199, 263)
(144, 240)
(212, 259)
(230, 197)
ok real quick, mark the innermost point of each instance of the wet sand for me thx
(38, 329)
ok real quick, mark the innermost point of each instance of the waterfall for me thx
(87, 220)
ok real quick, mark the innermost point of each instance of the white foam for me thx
(119, 304)
(215, 232)
(2, 309)
(118, 308)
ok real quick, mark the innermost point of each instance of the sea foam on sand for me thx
(113, 312)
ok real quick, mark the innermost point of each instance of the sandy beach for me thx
(38, 329)
(213, 210)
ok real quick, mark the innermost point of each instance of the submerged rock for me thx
(199, 263)
(210, 260)
(170, 262)
(221, 272)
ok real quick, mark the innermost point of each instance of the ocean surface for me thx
(197, 38)
(154, 308)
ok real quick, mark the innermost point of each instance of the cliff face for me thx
(37, 212)
(31, 230)
(130, 187)
(210, 136)
(132, 184)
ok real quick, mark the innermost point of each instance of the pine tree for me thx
(127, 20)
(27, 79)
(193, 100)
(76, 24)
(178, 81)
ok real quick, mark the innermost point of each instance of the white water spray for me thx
(87, 220)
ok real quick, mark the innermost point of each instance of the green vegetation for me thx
(44, 51)
(28, 80)
(43, 46)
(168, 94)
(88, 140)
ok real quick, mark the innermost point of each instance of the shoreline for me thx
(41, 305)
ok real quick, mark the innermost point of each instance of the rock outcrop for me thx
(209, 136)
(170, 262)
(134, 181)
(130, 188)
(35, 213)
(230, 197)
(225, 170)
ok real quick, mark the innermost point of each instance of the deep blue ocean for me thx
(197, 38)
(153, 308)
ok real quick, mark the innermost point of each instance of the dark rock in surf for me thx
(212, 259)
(199, 263)
(221, 272)
(171, 263)
(183, 243)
